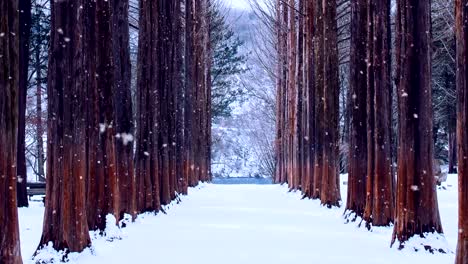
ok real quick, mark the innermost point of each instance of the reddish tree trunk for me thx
(380, 200)
(461, 28)
(357, 171)
(103, 190)
(330, 192)
(309, 91)
(146, 156)
(319, 95)
(188, 94)
(65, 222)
(10, 251)
(417, 209)
(123, 108)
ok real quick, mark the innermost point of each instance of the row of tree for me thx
(92, 170)
(308, 109)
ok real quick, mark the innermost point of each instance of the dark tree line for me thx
(307, 110)
(92, 170)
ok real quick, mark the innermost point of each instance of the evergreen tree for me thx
(227, 63)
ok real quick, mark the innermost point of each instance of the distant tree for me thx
(461, 29)
(24, 36)
(443, 82)
(227, 63)
(39, 41)
(10, 251)
(417, 211)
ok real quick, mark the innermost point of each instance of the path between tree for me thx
(241, 224)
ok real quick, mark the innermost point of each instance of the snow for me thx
(249, 224)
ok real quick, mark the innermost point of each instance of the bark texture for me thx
(10, 251)
(417, 210)
(65, 222)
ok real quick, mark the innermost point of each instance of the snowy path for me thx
(243, 224)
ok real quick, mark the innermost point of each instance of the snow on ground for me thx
(249, 224)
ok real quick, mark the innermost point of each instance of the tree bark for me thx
(103, 190)
(357, 171)
(65, 217)
(461, 30)
(380, 199)
(146, 156)
(125, 127)
(39, 124)
(10, 251)
(24, 33)
(417, 210)
(330, 192)
(319, 95)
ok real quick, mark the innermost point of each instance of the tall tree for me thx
(461, 28)
(330, 187)
(357, 171)
(417, 210)
(146, 156)
(319, 95)
(380, 182)
(65, 216)
(10, 251)
(123, 107)
(24, 35)
(102, 189)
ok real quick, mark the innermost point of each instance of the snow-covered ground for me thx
(249, 224)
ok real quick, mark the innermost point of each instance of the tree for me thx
(417, 211)
(380, 182)
(39, 42)
(123, 107)
(65, 216)
(25, 32)
(461, 29)
(146, 161)
(357, 171)
(102, 188)
(10, 251)
(227, 64)
(330, 187)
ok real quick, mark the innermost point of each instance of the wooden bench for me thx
(36, 188)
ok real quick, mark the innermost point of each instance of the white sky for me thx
(239, 4)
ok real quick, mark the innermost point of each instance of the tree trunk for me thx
(452, 145)
(330, 192)
(309, 91)
(39, 125)
(25, 32)
(10, 251)
(417, 210)
(319, 95)
(188, 93)
(103, 192)
(65, 222)
(379, 200)
(146, 156)
(125, 128)
(461, 28)
(357, 171)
